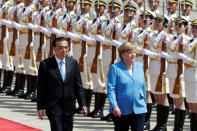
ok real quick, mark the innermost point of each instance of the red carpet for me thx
(7, 125)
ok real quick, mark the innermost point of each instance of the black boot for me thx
(10, 78)
(187, 108)
(159, 118)
(193, 121)
(101, 104)
(21, 85)
(171, 107)
(88, 97)
(34, 87)
(96, 103)
(5, 87)
(165, 114)
(179, 119)
(31, 82)
(148, 115)
(16, 87)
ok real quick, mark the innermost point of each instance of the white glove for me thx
(45, 31)
(102, 39)
(35, 28)
(18, 26)
(73, 36)
(164, 55)
(150, 53)
(115, 43)
(57, 32)
(87, 39)
(185, 58)
(7, 23)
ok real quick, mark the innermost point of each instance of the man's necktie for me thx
(62, 70)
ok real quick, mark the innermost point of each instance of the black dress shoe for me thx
(97, 114)
(106, 118)
(24, 95)
(34, 99)
(147, 125)
(6, 89)
(10, 93)
(79, 110)
(91, 113)
(19, 93)
(30, 95)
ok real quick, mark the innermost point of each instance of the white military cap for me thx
(115, 3)
(128, 4)
(101, 2)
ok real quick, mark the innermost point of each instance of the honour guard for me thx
(79, 26)
(97, 65)
(175, 71)
(15, 11)
(4, 45)
(153, 6)
(190, 63)
(21, 64)
(52, 23)
(109, 32)
(186, 7)
(159, 83)
(141, 38)
(66, 20)
(171, 8)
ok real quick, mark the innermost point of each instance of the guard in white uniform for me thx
(15, 11)
(142, 35)
(190, 61)
(159, 88)
(105, 38)
(4, 45)
(20, 63)
(80, 25)
(175, 71)
(97, 64)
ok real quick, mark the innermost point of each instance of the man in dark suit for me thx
(59, 83)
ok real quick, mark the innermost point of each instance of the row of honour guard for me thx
(166, 43)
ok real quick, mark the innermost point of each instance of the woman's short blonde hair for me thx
(127, 46)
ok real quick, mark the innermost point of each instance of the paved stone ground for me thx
(24, 111)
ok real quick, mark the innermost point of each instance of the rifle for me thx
(83, 43)
(27, 52)
(163, 62)
(13, 48)
(114, 36)
(145, 47)
(98, 45)
(170, 29)
(53, 36)
(3, 32)
(68, 25)
(39, 51)
(177, 83)
(130, 39)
